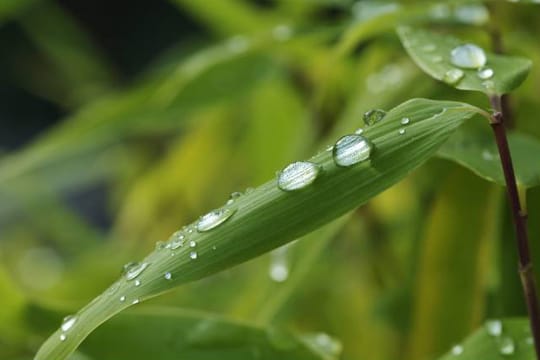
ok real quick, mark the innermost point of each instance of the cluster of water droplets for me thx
(66, 326)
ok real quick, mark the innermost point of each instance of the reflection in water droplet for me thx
(485, 73)
(213, 219)
(405, 121)
(468, 56)
(193, 255)
(351, 149)
(372, 117)
(457, 350)
(506, 346)
(168, 276)
(494, 327)
(63, 337)
(453, 76)
(68, 322)
(297, 175)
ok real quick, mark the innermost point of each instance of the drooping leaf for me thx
(432, 52)
(514, 342)
(473, 146)
(171, 333)
(268, 217)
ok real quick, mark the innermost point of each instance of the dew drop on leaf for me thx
(297, 175)
(485, 73)
(401, 132)
(351, 149)
(494, 327)
(279, 272)
(457, 350)
(168, 276)
(122, 298)
(372, 117)
(506, 346)
(453, 76)
(192, 244)
(468, 56)
(68, 322)
(137, 282)
(213, 219)
(63, 337)
(193, 255)
(134, 269)
(405, 121)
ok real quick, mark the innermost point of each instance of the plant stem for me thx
(519, 216)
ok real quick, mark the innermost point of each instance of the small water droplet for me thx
(193, 255)
(214, 247)
(160, 245)
(234, 196)
(122, 298)
(168, 276)
(351, 149)
(135, 301)
(68, 322)
(457, 350)
(468, 56)
(134, 269)
(453, 76)
(63, 337)
(213, 219)
(494, 327)
(282, 32)
(401, 131)
(137, 282)
(489, 85)
(297, 175)
(506, 346)
(373, 116)
(485, 73)
(192, 243)
(279, 272)
(429, 47)
(405, 121)
(359, 131)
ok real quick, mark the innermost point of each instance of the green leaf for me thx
(431, 52)
(267, 217)
(171, 333)
(473, 146)
(515, 342)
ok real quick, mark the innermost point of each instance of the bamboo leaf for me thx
(268, 217)
(170, 333)
(473, 146)
(514, 341)
(497, 74)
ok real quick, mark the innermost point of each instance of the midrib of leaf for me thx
(268, 217)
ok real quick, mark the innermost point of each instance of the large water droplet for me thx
(485, 73)
(374, 116)
(297, 175)
(68, 322)
(214, 218)
(494, 327)
(506, 346)
(468, 56)
(134, 269)
(457, 350)
(453, 76)
(351, 149)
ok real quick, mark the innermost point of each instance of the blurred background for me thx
(122, 121)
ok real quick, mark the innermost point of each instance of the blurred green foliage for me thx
(259, 85)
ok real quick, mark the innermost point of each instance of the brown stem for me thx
(519, 216)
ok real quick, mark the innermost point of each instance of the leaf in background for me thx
(447, 274)
(170, 333)
(432, 52)
(10, 8)
(473, 146)
(268, 217)
(514, 342)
